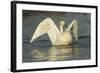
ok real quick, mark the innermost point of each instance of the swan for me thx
(57, 37)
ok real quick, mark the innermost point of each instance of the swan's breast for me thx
(66, 38)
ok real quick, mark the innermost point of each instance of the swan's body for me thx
(57, 37)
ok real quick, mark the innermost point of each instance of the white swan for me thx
(57, 37)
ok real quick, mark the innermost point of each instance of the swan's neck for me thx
(61, 28)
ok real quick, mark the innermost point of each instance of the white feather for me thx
(57, 37)
(46, 26)
(73, 27)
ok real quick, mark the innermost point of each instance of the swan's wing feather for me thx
(45, 26)
(73, 27)
(53, 34)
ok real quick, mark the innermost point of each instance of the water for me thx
(39, 52)
(42, 50)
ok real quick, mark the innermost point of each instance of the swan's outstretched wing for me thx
(73, 27)
(46, 26)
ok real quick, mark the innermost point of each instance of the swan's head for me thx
(62, 23)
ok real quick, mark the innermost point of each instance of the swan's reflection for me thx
(56, 53)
